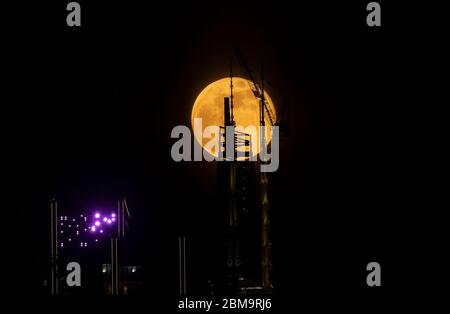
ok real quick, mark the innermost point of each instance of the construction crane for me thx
(265, 112)
(255, 87)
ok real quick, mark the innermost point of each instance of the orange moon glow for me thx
(209, 106)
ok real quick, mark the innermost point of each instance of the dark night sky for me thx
(94, 124)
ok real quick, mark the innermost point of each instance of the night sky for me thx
(93, 118)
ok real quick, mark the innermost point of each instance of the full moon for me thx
(209, 106)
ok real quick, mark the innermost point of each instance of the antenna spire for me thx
(231, 91)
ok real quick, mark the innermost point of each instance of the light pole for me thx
(54, 245)
(122, 213)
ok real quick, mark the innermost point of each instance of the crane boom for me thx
(254, 86)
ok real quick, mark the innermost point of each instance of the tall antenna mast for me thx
(231, 91)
